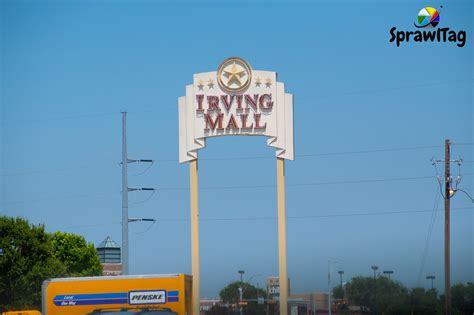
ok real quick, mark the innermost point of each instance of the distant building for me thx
(109, 253)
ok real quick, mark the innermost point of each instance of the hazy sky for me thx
(69, 67)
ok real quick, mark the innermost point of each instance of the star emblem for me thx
(234, 75)
(210, 83)
(258, 82)
(268, 82)
(200, 85)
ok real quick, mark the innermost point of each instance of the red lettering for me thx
(251, 101)
(266, 101)
(244, 117)
(226, 101)
(211, 125)
(239, 102)
(199, 99)
(257, 121)
(232, 123)
(213, 103)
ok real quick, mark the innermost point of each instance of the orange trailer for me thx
(118, 295)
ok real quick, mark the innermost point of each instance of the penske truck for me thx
(118, 295)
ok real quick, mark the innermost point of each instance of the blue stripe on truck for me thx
(68, 297)
(173, 296)
(91, 299)
(90, 302)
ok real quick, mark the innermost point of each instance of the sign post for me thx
(282, 236)
(236, 100)
(193, 181)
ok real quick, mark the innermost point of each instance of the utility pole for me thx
(124, 196)
(447, 205)
(125, 191)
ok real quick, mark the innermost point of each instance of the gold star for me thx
(258, 82)
(200, 84)
(234, 75)
(268, 82)
(210, 83)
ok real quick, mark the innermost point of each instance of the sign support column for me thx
(193, 178)
(283, 276)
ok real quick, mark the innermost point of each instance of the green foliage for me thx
(230, 294)
(391, 297)
(338, 292)
(31, 255)
(424, 302)
(27, 260)
(359, 291)
(78, 257)
(462, 297)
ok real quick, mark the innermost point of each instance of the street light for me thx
(431, 277)
(341, 272)
(241, 275)
(388, 272)
(241, 290)
(375, 268)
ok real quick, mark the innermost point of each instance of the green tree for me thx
(230, 294)
(392, 297)
(338, 292)
(462, 298)
(79, 257)
(359, 291)
(31, 255)
(27, 260)
(423, 301)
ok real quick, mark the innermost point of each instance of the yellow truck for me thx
(27, 312)
(118, 295)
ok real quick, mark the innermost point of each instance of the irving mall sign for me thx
(235, 100)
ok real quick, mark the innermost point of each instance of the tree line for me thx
(385, 296)
(29, 255)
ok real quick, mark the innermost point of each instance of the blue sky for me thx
(69, 67)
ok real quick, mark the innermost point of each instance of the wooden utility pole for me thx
(447, 204)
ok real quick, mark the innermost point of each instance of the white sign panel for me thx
(235, 100)
(147, 297)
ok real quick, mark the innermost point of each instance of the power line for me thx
(359, 181)
(236, 187)
(76, 116)
(315, 154)
(428, 237)
(311, 216)
(273, 218)
(465, 143)
(368, 151)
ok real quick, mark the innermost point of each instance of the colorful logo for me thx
(427, 17)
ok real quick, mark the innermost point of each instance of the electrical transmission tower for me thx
(125, 190)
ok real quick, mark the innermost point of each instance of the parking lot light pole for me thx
(375, 268)
(388, 272)
(431, 277)
(340, 272)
